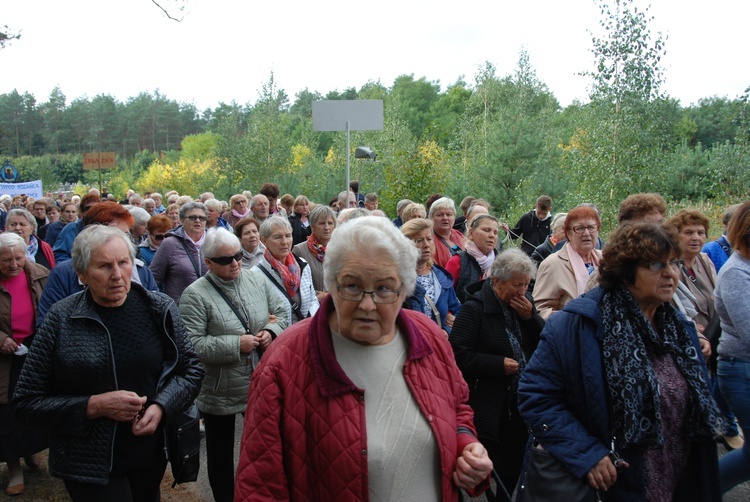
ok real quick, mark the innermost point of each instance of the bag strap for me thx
(190, 257)
(245, 322)
(434, 308)
(724, 245)
(295, 306)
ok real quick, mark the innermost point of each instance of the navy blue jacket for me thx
(562, 397)
(447, 301)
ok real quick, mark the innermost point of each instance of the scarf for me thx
(290, 272)
(513, 332)
(316, 248)
(239, 215)
(628, 340)
(484, 260)
(32, 249)
(579, 267)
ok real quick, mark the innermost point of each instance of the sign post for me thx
(348, 115)
(99, 160)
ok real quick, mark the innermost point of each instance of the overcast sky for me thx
(224, 50)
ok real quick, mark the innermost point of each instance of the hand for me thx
(522, 306)
(449, 318)
(8, 346)
(604, 474)
(472, 467)
(248, 343)
(510, 366)
(505, 227)
(146, 424)
(264, 338)
(272, 319)
(705, 347)
(120, 405)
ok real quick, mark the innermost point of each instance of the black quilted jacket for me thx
(71, 360)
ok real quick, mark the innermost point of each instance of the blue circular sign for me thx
(9, 173)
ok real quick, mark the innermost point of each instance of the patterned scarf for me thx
(628, 341)
(289, 271)
(484, 260)
(316, 248)
(32, 249)
(513, 332)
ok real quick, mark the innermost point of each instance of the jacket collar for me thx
(331, 379)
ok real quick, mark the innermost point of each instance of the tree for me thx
(7, 36)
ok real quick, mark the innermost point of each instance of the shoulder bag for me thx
(184, 445)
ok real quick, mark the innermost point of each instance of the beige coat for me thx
(555, 283)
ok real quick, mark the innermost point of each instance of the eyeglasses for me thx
(579, 229)
(195, 217)
(356, 294)
(658, 266)
(226, 260)
(159, 237)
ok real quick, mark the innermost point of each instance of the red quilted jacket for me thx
(304, 435)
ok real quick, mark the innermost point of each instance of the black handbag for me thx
(499, 495)
(184, 445)
(547, 480)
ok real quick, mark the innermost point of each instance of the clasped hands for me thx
(126, 406)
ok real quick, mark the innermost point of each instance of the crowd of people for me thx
(390, 359)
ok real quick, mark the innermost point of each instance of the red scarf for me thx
(316, 248)
(289, 271)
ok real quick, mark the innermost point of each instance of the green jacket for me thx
(215, 332)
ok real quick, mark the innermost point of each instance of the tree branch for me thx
(166, 12)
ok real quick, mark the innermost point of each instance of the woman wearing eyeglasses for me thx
(157, 227)
(226, 313)
(563, 275)
(290, 275)
(617, 390)
(364, 401)
(178, 261)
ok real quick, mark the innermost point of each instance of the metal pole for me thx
(348, 181)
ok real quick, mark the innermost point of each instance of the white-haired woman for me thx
(493, 336)
(448, 240)
(313, 250)
(214, 209)
(328, 380)
(23, 223)
(21, 285)
(109, 367)
(287, 273)
(226, 313)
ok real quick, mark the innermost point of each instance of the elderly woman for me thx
(226, 314)
(433, 293)
(554, 241)
(239, 208)
(448, 240)
(23, 223)
(109, 367)
(313, 250)
(179, 261)
(493, 337)
(327, 381)
(138, 233)
(563, 275)
(69, 214)
(247, 231)
(474, 262)
(173, 213)
(697, 273)
(289, 274)
(21, 285)
(734, 356)
(157, 228)
(214, 211)
(299, 219)
(617, 389)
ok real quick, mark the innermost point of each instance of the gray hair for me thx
(442, 203)
(350, 213)
(343, 200)
(271, 224)
(509, 263)
(134, 198)
(255, 198)
(91, 239)
(402, 204)
(189, 206)
(557, 221)
(141, 215)
(214, 204)
(321, 212)
(373, 235)
(25, 214)
(217, 238)
(10, 240)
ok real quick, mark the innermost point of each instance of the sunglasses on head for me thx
(226, 260)
(159, 237)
